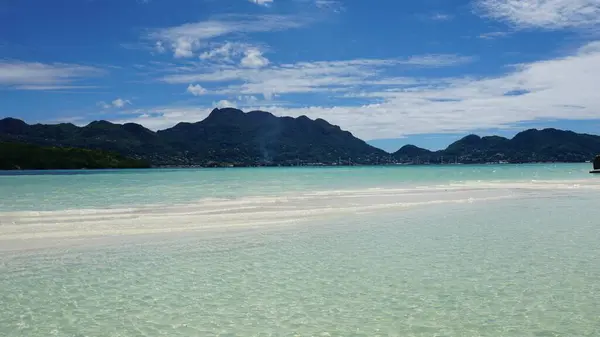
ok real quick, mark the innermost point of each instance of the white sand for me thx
(24, 229)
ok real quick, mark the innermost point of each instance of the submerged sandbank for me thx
(28, 229)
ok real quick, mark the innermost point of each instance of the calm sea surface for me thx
(491, 250)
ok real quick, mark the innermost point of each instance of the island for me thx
(230, 137)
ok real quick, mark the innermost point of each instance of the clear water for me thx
(522, 264)
(57, 190)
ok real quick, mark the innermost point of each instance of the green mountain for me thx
(226, 137)
(548, 145)
(230, 137)
(35, 157)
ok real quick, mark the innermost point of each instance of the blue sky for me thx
(424, 72)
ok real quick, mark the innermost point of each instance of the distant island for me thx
(230, 137)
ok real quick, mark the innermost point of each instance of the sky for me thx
(392, 72)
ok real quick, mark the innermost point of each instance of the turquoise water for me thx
(98, 189)
(451, 251)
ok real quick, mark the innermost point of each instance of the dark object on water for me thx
(596, 165)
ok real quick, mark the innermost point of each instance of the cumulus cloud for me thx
(44, 76)
(254, 59)
(196, 90)
(544, 14)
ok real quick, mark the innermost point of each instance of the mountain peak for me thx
(11, 120)
(10, 125)
(136, 128)
(411, 151)
(225, 112)
(471, 139)
(100, 123)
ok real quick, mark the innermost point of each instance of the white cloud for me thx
(159, 47)
(117, 103)
(248, 99)
(104, 105)
(493, 35)
(54, 87)
(309, 77)
(247, 55)
(225, 52)
(254, 59)
(186, 39)
(196, 90)
(372, 104)
(224, 104)
(43, 76)
(184, 47)
(437, 60)
(545, 14)
(262, 2)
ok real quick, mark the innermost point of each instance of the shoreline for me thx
(187, 167)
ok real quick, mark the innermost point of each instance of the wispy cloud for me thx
(307, 77)
(244, 54)
(493, 35)
(44, 76)
(224, 52)
(437, 60)
(544, 14)
(332, 5)
(441, 17)
(262, 2)
(373, 104)
(186, 39)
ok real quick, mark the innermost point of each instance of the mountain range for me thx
(547, 145)
(231, 137)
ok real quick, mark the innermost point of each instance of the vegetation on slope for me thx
(230, 137)
(33, 157)
(548, 145)
(225, 137)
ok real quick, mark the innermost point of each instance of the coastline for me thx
(313, 165)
